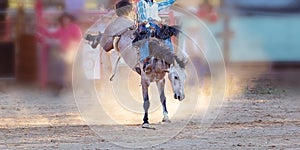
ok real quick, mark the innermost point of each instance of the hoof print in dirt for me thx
(166, 120)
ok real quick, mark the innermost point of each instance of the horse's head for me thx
(177, 77)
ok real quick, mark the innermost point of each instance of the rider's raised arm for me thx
(141, 9)
(164, 4)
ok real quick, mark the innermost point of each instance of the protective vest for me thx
(152, 11)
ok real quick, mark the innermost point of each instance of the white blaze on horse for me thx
(119, 35)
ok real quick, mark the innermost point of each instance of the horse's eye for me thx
(176, 77)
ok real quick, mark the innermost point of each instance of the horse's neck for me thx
(159, 65)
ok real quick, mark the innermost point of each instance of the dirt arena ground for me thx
(260, 112)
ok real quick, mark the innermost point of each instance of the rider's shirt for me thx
(148, 11)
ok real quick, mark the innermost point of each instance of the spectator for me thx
(68, 36)
(207, 12)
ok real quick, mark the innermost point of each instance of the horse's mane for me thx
(158, 50)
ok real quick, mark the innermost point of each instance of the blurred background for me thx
(251, 33)
(259, 39)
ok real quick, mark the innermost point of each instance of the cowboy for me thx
(148, 19)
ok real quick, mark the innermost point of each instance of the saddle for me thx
(94, 39)
(140, 34)
(165, 32)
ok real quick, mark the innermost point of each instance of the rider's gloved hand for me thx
(147, 25)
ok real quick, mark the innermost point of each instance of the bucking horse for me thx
(119, 35)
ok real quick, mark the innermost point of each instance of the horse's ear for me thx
(173, 64)
(185, 61)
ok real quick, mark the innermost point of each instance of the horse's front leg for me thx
(145, 86)
(161, 89)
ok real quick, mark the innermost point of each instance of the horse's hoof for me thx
(166, 120)
(147, 126)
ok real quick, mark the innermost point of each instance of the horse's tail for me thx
(115, 69)
(94, 39)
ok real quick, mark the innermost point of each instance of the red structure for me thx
(40, 21)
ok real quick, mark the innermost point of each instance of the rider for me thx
(148, 19)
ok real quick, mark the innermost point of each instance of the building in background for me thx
(248, 31)
(7, 51)
(21, 56)
(260, 31)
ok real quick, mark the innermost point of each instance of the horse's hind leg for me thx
(161, 90)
